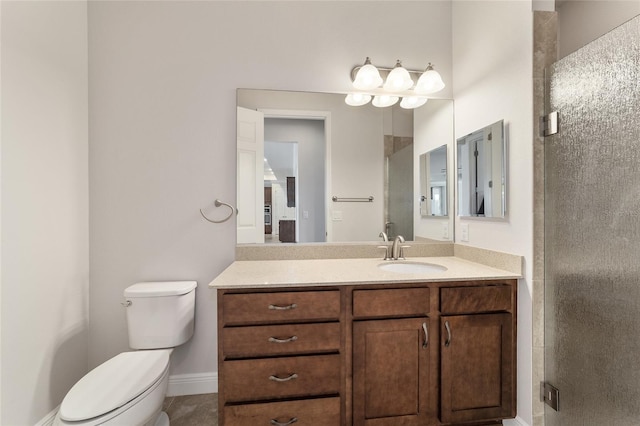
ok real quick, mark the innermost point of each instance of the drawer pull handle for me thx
(274, 422)
(426, 335)
(285, 379)
(287, 340)
(448, 341)
(283, 308)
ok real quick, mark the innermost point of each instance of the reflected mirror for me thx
(433, 182)
(481, 160)
(314, 169)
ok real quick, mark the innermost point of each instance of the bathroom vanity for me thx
(331, 342)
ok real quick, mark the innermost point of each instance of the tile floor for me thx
(192, 410)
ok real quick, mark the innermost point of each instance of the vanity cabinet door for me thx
(391, 372)
(477, 368)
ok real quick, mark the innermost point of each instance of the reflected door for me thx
(250, 185)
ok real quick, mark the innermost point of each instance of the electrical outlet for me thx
(305, 214)
(445, 230)
(464, 228)
(336, 215)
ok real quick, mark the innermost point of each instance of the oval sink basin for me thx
(405, 267)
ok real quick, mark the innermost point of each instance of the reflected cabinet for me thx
(376, 355)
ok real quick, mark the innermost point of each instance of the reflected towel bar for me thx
(368, 199)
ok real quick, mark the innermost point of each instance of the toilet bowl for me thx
(129, 389)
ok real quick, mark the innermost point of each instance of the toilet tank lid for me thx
(160, 288)
(114, 383)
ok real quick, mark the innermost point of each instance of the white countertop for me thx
(317, 272)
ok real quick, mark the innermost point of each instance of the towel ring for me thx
(219, 203)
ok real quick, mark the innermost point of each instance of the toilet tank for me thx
(160, 314)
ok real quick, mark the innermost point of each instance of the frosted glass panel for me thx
(592, 233)
(401, 193)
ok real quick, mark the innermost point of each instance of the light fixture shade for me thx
(410, 102)
(429, 82)
(357, 99)
(368, 77)
(384, 101)
(398, 79)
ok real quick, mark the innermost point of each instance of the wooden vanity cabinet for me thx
(423, 354)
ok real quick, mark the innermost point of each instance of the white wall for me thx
(492, 78)
(582, 21)
(44, 205)
(162, 84)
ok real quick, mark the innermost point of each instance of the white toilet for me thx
(129, 389)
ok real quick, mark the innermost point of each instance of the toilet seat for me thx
(114, 383)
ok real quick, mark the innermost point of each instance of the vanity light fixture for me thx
(410, 102)
(382, 101)
(357, 99)
(410, 85)
(429, 82)
(398, 79)
(367, 77)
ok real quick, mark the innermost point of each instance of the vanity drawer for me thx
(256, 308)
(262, 379)
(396, 302)
(286, 339)
(309, 412)
(460, 300)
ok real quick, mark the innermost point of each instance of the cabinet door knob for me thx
(287, 340)
(282, 308)
(274, 422)
(448, 341)
(283, 379)
(426, 335)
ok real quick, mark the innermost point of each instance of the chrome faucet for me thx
(396, 249)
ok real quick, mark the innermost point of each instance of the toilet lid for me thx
(113, 384)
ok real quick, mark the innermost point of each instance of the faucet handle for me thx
(401, 254)
(386, 252)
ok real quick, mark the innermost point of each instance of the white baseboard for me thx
(49, 418)
(518, 421)
(192, 384)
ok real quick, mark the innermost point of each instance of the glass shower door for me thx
(592, 233)
(400, 194)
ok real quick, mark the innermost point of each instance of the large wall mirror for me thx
(482, 173)
(313, 169)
